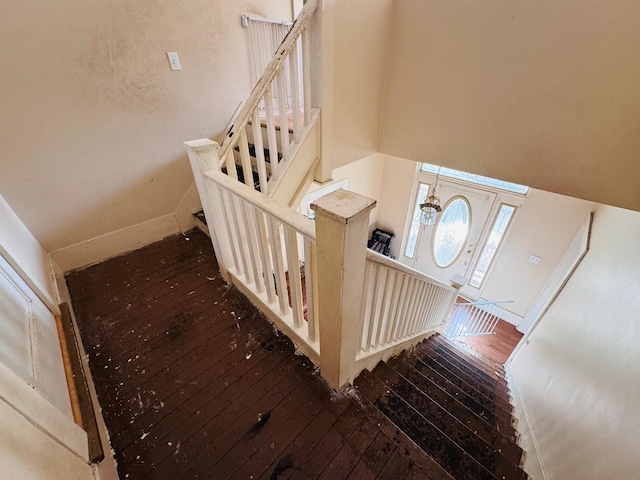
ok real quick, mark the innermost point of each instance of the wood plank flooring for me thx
(195, 383)
(497, 346)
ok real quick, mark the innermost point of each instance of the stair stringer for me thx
(297, 169)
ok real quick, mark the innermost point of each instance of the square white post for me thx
(342, 224)
(203, 156)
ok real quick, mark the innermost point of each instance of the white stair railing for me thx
(264, 248)
(273, 143)
(474, 318)
(400, 303)
(307, 276)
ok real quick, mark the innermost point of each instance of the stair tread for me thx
(490, 414)
(473, 388)
(490, 367)
(495, 384)
(402, 441)
(454, 424)
(485, 364)
(458, 462)
(483, 429)
(487, 390)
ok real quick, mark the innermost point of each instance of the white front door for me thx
(449, 247)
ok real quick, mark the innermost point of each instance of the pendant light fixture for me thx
(431, 206)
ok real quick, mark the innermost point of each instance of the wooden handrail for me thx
(270, 73)
(390, 263)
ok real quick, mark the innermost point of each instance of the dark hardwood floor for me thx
(195, 383)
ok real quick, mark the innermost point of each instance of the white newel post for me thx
(203, 156)
(457, 282)
(342, 224)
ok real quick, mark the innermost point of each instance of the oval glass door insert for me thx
(451, 232)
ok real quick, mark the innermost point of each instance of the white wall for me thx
(577, 377)
(395, 197)
(539, 93)
(93, 119)
(545, 226)
(362, 29)
(365, 178)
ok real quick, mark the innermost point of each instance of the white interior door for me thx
(449, 247)
(29, 343)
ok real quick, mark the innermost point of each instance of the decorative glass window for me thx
(473, 178)
(414, 228)
(451, 232)
(493, 243)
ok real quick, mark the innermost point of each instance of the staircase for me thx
(453, 406)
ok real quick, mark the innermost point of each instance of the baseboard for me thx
(533, 464)
(115, 243)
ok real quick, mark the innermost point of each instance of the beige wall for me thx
(362, 30)
(545, 226)
(365, 178)
(93, 119)
(541, 93)
(577, 377)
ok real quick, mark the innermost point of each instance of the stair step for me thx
(199, 214)
(451, 456)
(403, 442)
(494, 417)
(483, 429)
(495, 384)
(490, 367)
(453, 426)
(456, 386)
(501, 399)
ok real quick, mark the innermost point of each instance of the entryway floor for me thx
(497, 346)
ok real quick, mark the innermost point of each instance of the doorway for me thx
(450, 246)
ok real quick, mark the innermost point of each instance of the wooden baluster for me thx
(278, 261)
(252, 243)
(282, 108)
(245, 159)
(265, 256)
(375, 305)
(259, 147)
(295, 92)
(402, 304)
(295, 285)
(234, 218)
(395, 301)
(311, 288)
(369, 284)
(271, 133)
(230, 163)
(420, 304)
(386, 304)
(306, 75)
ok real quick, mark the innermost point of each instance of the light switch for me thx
(174, 61)
(535, 260)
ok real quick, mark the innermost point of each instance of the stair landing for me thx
(195, 383)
